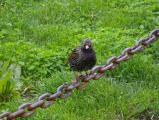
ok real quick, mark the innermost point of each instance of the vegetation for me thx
(36, 37)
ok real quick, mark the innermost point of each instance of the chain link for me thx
(65, 90)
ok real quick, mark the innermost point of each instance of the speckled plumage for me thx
(82, 59)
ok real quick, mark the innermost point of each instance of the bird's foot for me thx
(82, 77)
(87, 73)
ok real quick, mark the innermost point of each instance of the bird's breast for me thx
(88, 57)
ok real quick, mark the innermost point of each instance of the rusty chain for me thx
(65, 90)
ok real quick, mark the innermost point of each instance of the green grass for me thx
(38, 35)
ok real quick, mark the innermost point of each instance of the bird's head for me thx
(87, 45)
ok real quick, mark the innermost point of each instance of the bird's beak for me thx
(87, 46)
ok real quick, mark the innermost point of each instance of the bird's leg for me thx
(86, 72)
(84, 84)
(80, 73)
(76, 75)
(82, 76)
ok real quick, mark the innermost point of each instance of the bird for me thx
(83, 57)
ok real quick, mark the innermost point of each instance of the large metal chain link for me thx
(65, 90)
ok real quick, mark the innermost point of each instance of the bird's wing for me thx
(74, 56)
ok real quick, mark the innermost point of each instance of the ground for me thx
(38, 35)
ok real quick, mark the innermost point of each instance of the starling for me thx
(83, 57)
